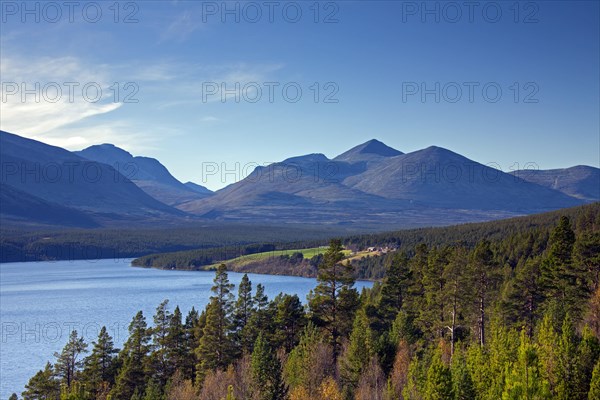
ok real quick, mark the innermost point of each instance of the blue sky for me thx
(373, 57)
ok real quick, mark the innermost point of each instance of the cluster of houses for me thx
(382, 250)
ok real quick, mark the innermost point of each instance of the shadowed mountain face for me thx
(147, 173)
(581, 181)
(53, 176)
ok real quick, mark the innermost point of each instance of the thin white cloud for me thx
(63, 92)
(182, 26)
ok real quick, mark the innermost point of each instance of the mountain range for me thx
(371, 183)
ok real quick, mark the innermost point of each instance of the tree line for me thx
(515, 318)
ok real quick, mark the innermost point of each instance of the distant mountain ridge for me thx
(372, 182)
(51, 178)
(580, 181)
(147, 173)
(369, 184)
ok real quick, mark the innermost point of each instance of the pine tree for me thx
(266, 372)
(523, 378)
(192, 330)
(260, 320)
(455, 291)
(587, 255)
(131, 380)
(462, 382)
(485, 277)
(594, 393)
(567, 367)
(548, 341)
(243, 310)
(100, 366)
(43, 385)
(159, 357)
(526, 295)
(564, 278)
(215, 349)
(357, 354)
(179, 353)
(289, 320)
(68, 363)
(334, 301)
(431, 317)
(395, 287)
(588, 355)
(439, 380)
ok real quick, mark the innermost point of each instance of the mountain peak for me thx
(106, 153)
(368, 151)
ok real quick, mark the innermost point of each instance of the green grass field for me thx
(251, 258)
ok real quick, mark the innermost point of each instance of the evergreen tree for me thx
(100, 366)
(485, 277)
(526, 295)
(594, 393)
(334, 301)
(68, 363)
(357, 354)
(266, 372)
(439, 380)
(588, 355)
(455, 293)
(161, 367)
(548, 341)
(131, 380)
(395, 287)
(431, 317)
(260, 320)
(215, 349)
(43, 385)
(564, 278)
(289, 321)
(243, 310)
(179, 353)
(523, 378)
(192, 336)
(587, 255)
(567, 368)
(462, 382)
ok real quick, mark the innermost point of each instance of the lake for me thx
(41, 302)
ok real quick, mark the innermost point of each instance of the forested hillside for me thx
(514, 234)
(514, 314)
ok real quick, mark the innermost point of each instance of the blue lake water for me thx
(41, 302)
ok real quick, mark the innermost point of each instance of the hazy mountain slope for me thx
(199, 188)
(147, 173)
(581, 181)
(436, 177)
(372, 182)
(58, 176)
(23, 208)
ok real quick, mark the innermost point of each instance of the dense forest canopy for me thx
(507, 310)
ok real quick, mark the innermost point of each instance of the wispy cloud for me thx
(40, 95)
(181, 27)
